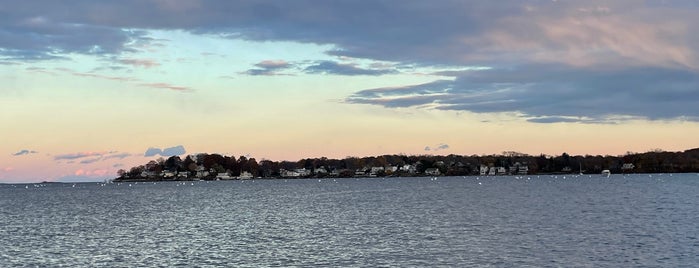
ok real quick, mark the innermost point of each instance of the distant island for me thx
(219, 167)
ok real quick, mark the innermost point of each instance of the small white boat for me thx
(606, 173)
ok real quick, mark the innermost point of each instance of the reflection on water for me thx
(586, 220)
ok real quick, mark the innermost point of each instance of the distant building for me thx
(483, 170)
(500, 171)
(289, 173)
(409, 168)
(245, 175)
(627, 167)
(376, 170)
(321, 170)
(432, 172)
(224, 176)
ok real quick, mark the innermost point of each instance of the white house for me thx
(245, 175)
(224, 176)
(483, 170)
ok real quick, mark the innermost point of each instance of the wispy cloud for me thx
(24, 152)
(166, 86)
(144, 63)
(78, 155)
(90, 161)
(117, 155)
(331, 67)
(125, 79)
(269, 67)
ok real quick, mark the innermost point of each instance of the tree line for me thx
(655, 161)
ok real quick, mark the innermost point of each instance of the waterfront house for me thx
(483, 170)
(432, 172)
(245, 175)
(224, 176)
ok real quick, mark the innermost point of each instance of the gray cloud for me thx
(331, 67)
(79, 155)
(269, 67)
(438, 147)
(90, 161)
(172, 151)
(119, 156)
(30, 37)
(554, 93)
(24, 152)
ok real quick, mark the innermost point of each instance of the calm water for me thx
(588, 221)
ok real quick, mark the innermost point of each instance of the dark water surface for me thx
(535, 221)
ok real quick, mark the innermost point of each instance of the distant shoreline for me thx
(220, 167)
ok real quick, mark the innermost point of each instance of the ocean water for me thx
(529, 221)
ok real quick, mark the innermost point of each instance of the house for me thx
(321, 170)
(288, 173)
(168, 174)
(491, 171)
(224, 176)
(183, 174)
(245, 175)
(523, 170)
(201, 172)
(148, 174)
(627, 166)
(408, 168)
(376, 170)
(303, 172)
(432, 172)
(483, 170)
(500, 171)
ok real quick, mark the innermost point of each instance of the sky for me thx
(90, 87)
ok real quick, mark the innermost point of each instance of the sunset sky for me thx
(88, 87)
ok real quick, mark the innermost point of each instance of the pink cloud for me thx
(144, 63)
(93, 173)
(7, 169)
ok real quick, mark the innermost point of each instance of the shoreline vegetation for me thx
(219, 167)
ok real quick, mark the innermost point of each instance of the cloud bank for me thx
(550, 61)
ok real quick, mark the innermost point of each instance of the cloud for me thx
(166, 86)
(553, 93)
(117, 78)
(24, 152)
(144, 63)
(29, 37)
(615, 58)
(119, 156)
(331, 67)
(90, 161)
(438, 147)
(7, 169)
(269, 67)
(78, 155)
(172, 151)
